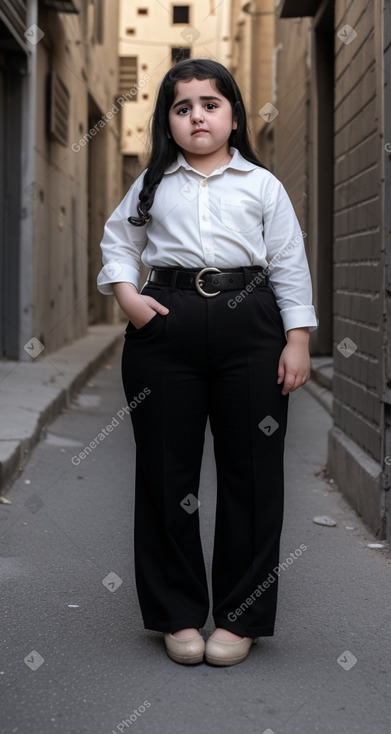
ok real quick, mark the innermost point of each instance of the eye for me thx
(182, 110)
(211, 105)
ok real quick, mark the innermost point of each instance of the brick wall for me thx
(358, 263)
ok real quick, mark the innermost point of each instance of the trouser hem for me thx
(174, 626)
(244, 631)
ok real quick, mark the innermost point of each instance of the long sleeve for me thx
(122, 243)
(288, 268)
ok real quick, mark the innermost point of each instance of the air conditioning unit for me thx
(63, 6)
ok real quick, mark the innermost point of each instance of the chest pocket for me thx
(240, 215)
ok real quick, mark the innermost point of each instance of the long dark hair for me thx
(164, 150)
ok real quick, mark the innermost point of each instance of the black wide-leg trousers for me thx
(215, 357)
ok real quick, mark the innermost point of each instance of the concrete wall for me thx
(251, 61)
(66, 256)
(59, 257)
(292, 101)
(241, 51)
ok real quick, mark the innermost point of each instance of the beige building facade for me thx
(59, 143)
(152, 36)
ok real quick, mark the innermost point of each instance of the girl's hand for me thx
(137, 308)
(294, 367)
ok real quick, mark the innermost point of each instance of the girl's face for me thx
(200, 118)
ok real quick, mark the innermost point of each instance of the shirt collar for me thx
(237, 162)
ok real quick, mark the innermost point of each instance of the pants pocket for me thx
(156, 293)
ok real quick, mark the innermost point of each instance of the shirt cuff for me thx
(299, 316)
(116, 272)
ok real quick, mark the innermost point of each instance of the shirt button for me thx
(205, 218)
(204, 182)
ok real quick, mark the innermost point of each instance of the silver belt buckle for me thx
(199, 283)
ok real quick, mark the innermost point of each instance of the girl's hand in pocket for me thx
(139, 309)
(294, 367)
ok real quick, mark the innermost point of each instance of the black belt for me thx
(213, 280)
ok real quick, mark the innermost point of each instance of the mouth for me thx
(199, 131)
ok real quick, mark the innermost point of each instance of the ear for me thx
(234, 124)
(168, 134)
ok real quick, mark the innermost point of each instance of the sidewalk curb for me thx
(321, 394)
(32, 394)
(321, 383)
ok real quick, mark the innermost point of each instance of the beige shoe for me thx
(223, 652)
(187, 651)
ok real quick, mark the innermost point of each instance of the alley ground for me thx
(75, 657)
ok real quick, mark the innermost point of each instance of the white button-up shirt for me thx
(238, 215)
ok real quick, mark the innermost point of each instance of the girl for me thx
(219, 329)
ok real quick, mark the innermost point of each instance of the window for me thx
(180, 14)
(59, 105)
(98, 21)
(178, 54)
(128, 76)
(142, 11)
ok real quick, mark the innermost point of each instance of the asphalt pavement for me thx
(75, 657)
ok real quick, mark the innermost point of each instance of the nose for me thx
(197, 114)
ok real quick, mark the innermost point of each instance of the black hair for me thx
(164, 150)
